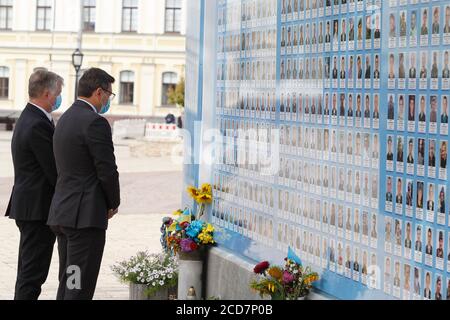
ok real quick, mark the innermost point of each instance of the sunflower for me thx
(275, 272)
(193, 192)
(206, 188)
(204, 198)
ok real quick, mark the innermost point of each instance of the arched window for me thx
(169, 81)
(4, 82)
(127, 87)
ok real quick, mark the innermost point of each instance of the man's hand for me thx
(112, 213)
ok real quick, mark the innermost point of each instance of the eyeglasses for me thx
(112, 95)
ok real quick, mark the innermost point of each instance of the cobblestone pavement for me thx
(150, 189)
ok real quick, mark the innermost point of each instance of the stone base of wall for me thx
(228, 276)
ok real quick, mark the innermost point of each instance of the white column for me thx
(146, 106)
(24, 15)
(109, 16)
(160, 8)
(21, 83)
(147, 15)
(65, 9)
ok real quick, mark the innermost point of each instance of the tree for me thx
(177, 96)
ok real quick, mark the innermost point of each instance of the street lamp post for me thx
(77, 62)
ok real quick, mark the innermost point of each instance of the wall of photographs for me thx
(334, 118)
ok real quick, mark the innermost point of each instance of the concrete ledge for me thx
(228, 276)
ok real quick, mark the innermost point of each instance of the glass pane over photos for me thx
(334, 124)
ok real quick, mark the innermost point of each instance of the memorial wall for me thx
(333, 118)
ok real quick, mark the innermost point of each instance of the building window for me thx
(6, 7)
(169, 81)
(129, 15)
(4, 83)
(127, 87)
(173, 16)
(89, 15)
(43, 15)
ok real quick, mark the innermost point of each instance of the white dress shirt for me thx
(93, 108)
(47, 114)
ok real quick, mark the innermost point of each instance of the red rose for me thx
(261, 267)
(184, 224)
(193, 246)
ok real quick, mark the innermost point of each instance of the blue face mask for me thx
(57, 104)
(106, 107)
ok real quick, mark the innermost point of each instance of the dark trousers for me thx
(80, 256)
(35, 254)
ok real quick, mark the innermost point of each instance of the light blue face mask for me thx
(57, 104)
(106, 107)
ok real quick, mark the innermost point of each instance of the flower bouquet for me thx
(152, 275)
(186, 233)
(293, 282)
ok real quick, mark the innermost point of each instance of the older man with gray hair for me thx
(34, 182)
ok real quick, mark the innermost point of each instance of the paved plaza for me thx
(151, 188)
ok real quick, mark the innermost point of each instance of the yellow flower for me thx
(204, 198)
(193, 192)
(275, 272)
(206, 237)
(209, 228)
(178, 212)
(206, 188)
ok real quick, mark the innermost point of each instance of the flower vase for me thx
(137, 291)
(190, 274)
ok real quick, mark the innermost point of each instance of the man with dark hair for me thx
(34, 182)
(87, 191)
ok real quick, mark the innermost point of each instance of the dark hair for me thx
(93, 79)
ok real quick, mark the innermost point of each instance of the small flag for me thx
(292, 256)
(172, 227)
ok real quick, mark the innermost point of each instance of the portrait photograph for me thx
(427, 286)
(396, 280)
(419, 199)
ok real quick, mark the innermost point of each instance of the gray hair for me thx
(42, 80)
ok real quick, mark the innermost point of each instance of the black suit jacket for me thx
(88, 181)
(34, 167)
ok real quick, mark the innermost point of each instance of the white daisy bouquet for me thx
(156, 271)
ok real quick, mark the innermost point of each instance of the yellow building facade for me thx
(139, 42)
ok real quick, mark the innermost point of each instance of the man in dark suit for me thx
(335, 69)
(391, 109)
(87, 192)
(34, 183)
(418, 246)
(389, 190)
(359, 67)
